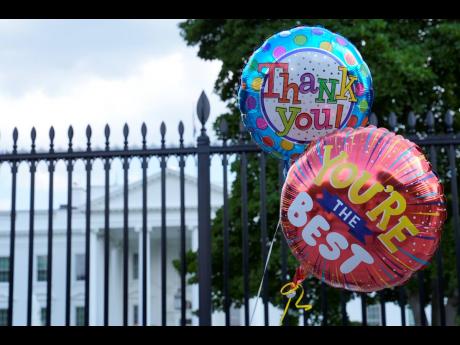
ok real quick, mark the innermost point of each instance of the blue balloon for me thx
(300, 85)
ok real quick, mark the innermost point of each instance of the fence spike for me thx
(51, 136)
(107, 135)
(15, 139)
(163, 133)
(144, 135)
(430, 122)
(224, 128)
(70, 136)
(393, 121)
(411, 121)
(89, 132)
(33, 136)
(203, 108)
(125, 135)
(181, 133)
(243, 132)
(449, 121)
(373, 120)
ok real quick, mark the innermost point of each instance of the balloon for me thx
(301, 84)
(362, 209)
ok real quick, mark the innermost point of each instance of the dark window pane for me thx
(79, 316)
(42, 273)
(80, 267)
(135, 266)
(135, 315)
(43, 316)
(4, 269)
(3, 317)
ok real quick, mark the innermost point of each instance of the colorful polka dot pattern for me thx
(272, 50)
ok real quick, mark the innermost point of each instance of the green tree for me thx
(414, 65)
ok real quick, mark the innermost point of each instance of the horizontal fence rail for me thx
(441, 148)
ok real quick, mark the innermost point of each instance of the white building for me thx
(97, 255)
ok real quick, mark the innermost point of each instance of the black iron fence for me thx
(440, 146)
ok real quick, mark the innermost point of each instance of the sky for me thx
(79, 72)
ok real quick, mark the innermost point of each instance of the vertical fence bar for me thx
(50, 231)
(283, 241)
(14, 171)
(324, 305)
(383, 313)
(263, 228)
(125, 227)
(144, 226)
(163, 226)
(182, 228)
(226, 259)
(88, 226)
(343, 308)
(438, 258)
(69, 232)
(402, 304)
(364, 309)
(204, 214)
(244, 226)
(449, 121)
(33, 169)
(304, 312)
(106, 227)
(421, 297)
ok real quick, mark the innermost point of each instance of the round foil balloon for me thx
(301, 84)
(362, 209)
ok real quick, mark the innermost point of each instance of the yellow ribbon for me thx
(291, 294)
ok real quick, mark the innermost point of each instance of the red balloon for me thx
(361, 209)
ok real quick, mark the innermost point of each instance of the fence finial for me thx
(70, 136)
(51, 136)
(125, 136)
(224, 128)
(163, 133)
(449, 121)
(144, 135)
(107, 135)
(33, 136)
(411, 121)
(373, 120)
(203, 108)
(430, 122)
(89, 132)
(15, 139)
(181, 133)
(393, 121)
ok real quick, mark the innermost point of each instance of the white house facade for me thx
(97, 256)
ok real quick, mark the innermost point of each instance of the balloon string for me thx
(291, 294)
(265, 270)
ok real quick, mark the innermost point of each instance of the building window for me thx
(4, 269)
(136, 315)
(43, 316)
(3, 317)
(42, 272)
(135, 266)
(80, 316)
(80, 269)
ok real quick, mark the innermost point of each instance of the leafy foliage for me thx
(414, 65)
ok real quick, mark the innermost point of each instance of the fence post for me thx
(204, 214)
